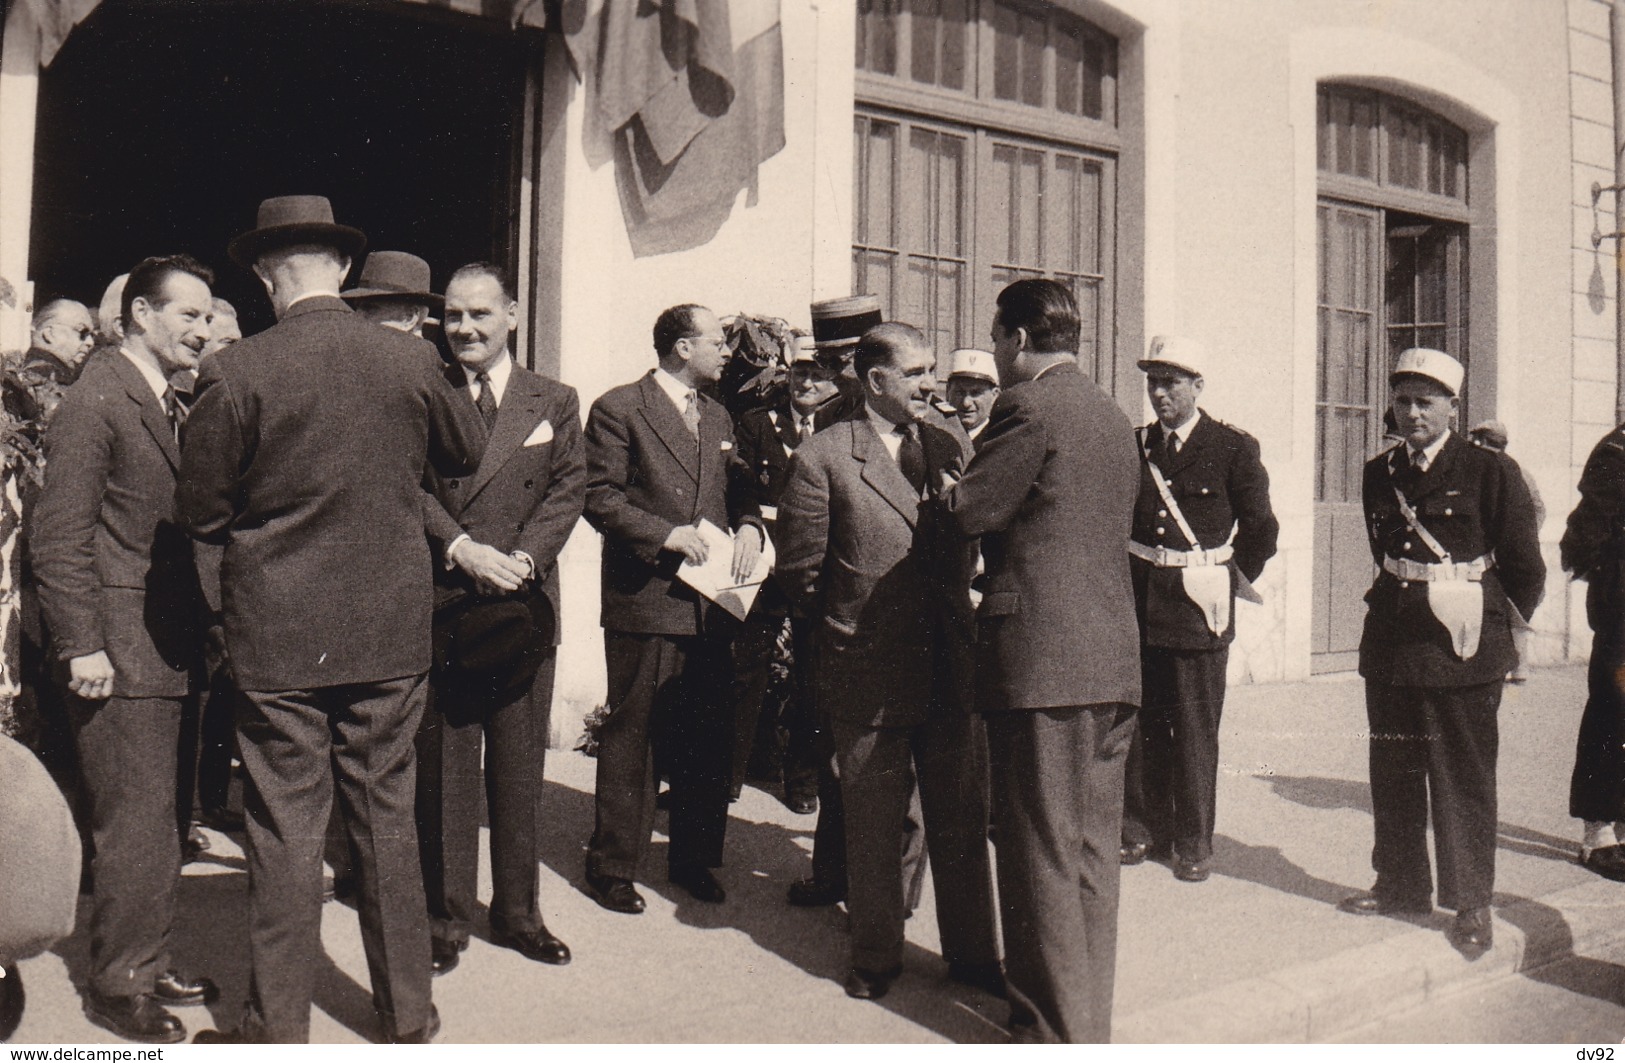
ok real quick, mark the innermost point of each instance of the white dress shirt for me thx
(1423, 459)
(155, 380)
(499, 374)
(676, 390)
(890, 434)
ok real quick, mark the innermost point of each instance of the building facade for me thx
(1308, 186)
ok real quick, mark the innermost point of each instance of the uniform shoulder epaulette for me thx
(1240, 431)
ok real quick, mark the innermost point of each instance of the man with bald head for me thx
(63, 335)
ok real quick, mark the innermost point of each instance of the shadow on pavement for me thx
(1267, 866)
(762, 859)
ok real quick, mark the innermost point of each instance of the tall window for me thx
(1392, 267)
(986, 141)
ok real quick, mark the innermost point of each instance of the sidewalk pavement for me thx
(1257, 953)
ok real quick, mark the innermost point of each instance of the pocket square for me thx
(726, 446)
(542, 433)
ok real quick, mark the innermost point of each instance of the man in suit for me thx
(1213, 486)
(887, 586)
(658, 457)
(498, 533)
(120, 594)
(394, 291)
(305, 456)
(1452, 528)
(1051, 494)
(767, 439)
(62, 337)
(1593, 549)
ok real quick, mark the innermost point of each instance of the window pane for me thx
(1098, 65)
(873, 271)
(954, 30)
(1033, 34)
(1325, 136)
(1006, 52)
(879, 174)
(1087, 294)
(877, 35)
(1072, 216)
(1361, 130)
(1068, 71)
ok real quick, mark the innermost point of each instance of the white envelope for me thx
(543, 433)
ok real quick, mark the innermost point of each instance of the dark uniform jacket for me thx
(115, 572)
(1473, 501)
(891, 589)
(526, 495)
(1051, 493)
(1219, 482)
(646, 474)
(1593, 546)
(305, 454)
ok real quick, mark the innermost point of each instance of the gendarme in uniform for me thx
(1202, 526)
(1453, 528)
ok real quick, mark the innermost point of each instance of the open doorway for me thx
(162, 124)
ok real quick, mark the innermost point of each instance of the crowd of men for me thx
(1008, 615)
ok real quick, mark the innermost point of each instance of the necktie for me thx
(1160, 453)
(911, 457)
(487, 402)
(174, 411)
(691, 414)
(1173, 444)
(805, 428)
(1419, 461)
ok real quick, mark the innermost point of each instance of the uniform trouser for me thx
(297, 748)
(1057, 777)
(670, 692)
(1173, 766)
(128, 750)
(1434, 746)
(947, 760)
(1597, 787)
(448, 803)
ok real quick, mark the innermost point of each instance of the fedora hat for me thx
(394, 275)
(841, 322)
(285, 220)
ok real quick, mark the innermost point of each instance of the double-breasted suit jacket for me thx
(1474, 502)
(646, 474)
(115, 571)
(1220, 483)
(526, 496)
(860, 552)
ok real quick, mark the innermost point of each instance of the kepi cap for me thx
(803, 349)
(1178, 352)
(1435, 365)
(969, 362)
(394, 275)
(285, 220)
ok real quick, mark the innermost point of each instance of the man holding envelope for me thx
(1202, 528)
(497, 536)
(659, 453)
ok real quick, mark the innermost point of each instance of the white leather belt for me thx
(1425, 572)
(1163, 557)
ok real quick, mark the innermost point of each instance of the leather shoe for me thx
(1607, 861)
(137, 1018)
(194, 845)
(801, 804)
(12, 1000)
(445, 954)
(616, 894)
(1382, 904)
(176, 990)
(734, 791)
(1192, 870)
(700, 884)
(426, 1035)
(988, 976)
(1132, 853)
(862, 984)
(1473, 932)
(222, 1037)
(538, 945)
(815, 893)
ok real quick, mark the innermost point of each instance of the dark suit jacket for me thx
(1593, 546)
(305, 456)
(522, 497)
(646, 475)
(858, 551)
(1051, 492)
(1473, 501)
(1219, 481)
(115, 572)
(767, 439)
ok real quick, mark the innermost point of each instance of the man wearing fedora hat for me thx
(1203, 516)
(497, 534)
(1452, 528)
(394, 291)
(304, 459)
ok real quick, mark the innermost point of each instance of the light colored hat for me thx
(803, 349)
(1435, 365)
(967, 361)
(841, 322)
(1179, 352)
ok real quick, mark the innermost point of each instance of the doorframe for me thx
(19, 107)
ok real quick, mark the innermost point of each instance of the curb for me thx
(1321, 1000)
